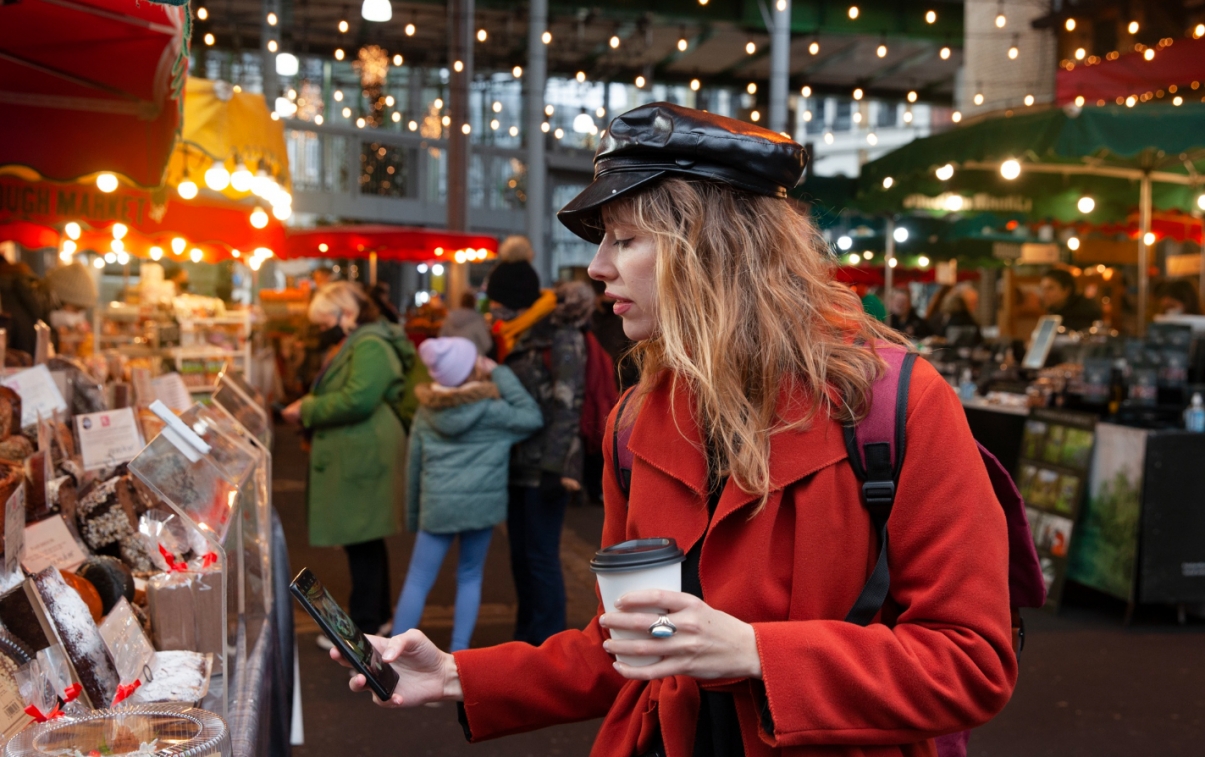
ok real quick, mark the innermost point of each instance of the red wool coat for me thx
(941, 661)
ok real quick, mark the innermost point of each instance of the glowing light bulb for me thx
(106, 182)
(694, 85)
(259, 219)
(881, 51)
(1133, 27)
(437, 269)
(482, 35)
(922, 261)
(156, 253)
(946, 172)
(1149, 53)
(178, 245)
(517, 72)
(956, 116)
(410, 30)
(1028, 100)
(979, 98)
(110, 257)
(217, 177)
(853, 11)
(900, 234)
(398, 60)
(546, 38)
(339, 54)
(343, 26)
(1001, 20)
(282, 212)
(814, 48)
(195, 254)
(72, 230)
(1010, 169)
(930, 17)
(210, 39)
(682, 45)
(844, 242)
(202, 14)
(751, 89)
(123, 258)
(1080, 53)
(1073, 243)
(98, 263)
(1069, 24)
(1013, 52)
(858, 93)
(750, 47)
(187, 189)
(1149, 238)
(912, 96)
(945, 53)
(120, 230)
(806, 91)
(581, 76)
(854, 258)
(513, 131)
(614, 42)
(640, 82)
(1079, 101)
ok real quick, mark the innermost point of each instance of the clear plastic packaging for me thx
(57, 668)
(158, 730)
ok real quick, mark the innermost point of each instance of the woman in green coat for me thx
(356, 482)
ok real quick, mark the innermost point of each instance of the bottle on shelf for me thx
(1194, 416)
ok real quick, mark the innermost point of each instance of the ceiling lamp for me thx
(858, 93)
(881, 51)
(120, 230)
(1133, 27)
(217, 177)
(750, 47)
(202, 13)
(378, 11)
(945, 53)
(614, 41)
(106, 182)
(979, 98)
(806, 91)
(930, 17)
(912, 96)
(814, 48)
(1069, 24)
(1086, 204)
(187, 189)
(287, 64)
(1010, 169)
(259, 219)
(482, 35)
(900, 234)
(853, 12)
(694, 85)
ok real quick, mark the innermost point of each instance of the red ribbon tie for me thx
(125, 690)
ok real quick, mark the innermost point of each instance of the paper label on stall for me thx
(108, 438)
(14, 530)
(12, 708)
(49, 542)
(39, 394)
(144, 392)
(63, 382)
(171, 391)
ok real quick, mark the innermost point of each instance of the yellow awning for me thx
(228, 127)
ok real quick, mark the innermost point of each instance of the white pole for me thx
(536, 74)
(780, 64)
(888, 271)
(1144, 227)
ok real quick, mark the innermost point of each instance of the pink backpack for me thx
(876, 453)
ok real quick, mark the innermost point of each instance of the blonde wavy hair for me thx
(746, 308)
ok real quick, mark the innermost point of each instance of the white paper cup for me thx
(634, 565)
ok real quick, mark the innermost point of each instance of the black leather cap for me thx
(658, 139)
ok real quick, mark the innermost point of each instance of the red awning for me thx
(1180, 64)
(34, 214)
(89, 86)
(400, 243)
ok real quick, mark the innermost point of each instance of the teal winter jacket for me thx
(460, 452)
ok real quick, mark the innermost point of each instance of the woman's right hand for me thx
(425, 673)
(485, 366)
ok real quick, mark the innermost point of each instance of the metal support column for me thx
(460, 48)
(267, 57)
(537, 171)
(780, 64)
(1144, 253)
(888, 270)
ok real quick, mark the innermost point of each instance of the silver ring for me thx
(663, 628)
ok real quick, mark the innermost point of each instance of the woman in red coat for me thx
(752, 360)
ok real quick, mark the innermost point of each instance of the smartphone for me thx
(343, 633)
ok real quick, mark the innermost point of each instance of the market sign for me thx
(951, 202)
(55, 204)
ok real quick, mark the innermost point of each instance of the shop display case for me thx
(201, 475)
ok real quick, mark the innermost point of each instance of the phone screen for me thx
(331, 616)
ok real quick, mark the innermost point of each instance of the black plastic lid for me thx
(636, 554)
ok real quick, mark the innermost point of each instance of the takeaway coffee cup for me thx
(632, 565)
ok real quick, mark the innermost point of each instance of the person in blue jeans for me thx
(457, 466)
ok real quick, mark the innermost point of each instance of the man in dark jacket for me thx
(903, 317)
(541, 341)
(1060, 298)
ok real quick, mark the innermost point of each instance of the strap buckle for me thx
(878, 494)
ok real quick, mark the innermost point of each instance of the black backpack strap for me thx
(620, 455)
(876, 453)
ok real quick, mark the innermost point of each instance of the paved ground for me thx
(1089, 686)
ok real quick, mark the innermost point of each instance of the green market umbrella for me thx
(1151, 156)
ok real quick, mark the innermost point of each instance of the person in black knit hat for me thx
(514, 283)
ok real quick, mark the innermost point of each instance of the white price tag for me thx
(39, 394)
(49, 542)
(171, 391)
(108, 438)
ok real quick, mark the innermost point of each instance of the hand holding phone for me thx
(426, 673)
(344, 634)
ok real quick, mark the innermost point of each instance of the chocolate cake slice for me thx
(10, 412)
(77, 633)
